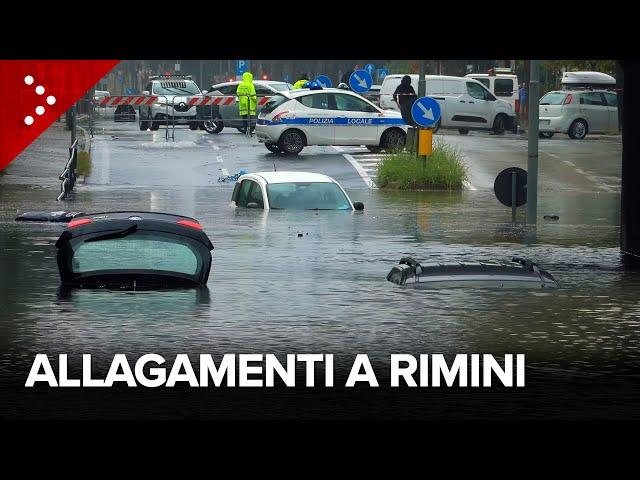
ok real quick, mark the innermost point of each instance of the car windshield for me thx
(307, 196)
(138, 251)
(553, 98)
(281, 87)
(175, 88)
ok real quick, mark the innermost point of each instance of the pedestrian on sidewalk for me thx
(247, 101)
(522, 93)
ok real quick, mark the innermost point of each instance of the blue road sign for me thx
(324, 81)
(286, 77)
(425, 111)
(370, 68)
(360, 81)
(241, 67)
(382, 72)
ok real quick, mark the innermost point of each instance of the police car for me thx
(292, 120)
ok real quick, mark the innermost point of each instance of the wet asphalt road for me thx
(273, 291)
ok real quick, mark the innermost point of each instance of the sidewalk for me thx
(41, 162)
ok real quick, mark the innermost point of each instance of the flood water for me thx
(314, 282)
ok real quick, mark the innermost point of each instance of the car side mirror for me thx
(252, 205)
(145, 92)
(358, 205)
(204, 92)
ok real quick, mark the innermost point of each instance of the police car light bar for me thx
(186, 77)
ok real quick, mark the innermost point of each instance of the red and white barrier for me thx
(133, 100)
(220, 100)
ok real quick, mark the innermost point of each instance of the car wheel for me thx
(292, 142)
(214, 126)
(499, 124)
(154, 124)
(393, 139)
(144, 124)
(546, 134)
(578, 129)
(374, 148)
(463, 131)
(273, 147)
(193, 125)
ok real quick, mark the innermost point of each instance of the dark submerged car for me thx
(134, 250)
(518, 273)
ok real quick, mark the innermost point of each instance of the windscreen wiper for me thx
(119, 234)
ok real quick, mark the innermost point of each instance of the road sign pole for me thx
(422, 91)
(514, 177)
(532, 163)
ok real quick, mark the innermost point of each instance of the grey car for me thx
(228, 115)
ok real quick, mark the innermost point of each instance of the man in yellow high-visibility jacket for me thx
(247, 100)
(304, 78)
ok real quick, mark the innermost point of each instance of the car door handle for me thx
(471, 101)
(462, 101)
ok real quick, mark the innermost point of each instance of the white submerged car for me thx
(292, 191)
(292, 120)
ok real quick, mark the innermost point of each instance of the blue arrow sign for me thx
(241, 67)
(360, 81)
(425, 111)
(382, 72)
(324, 81)
(370, 67)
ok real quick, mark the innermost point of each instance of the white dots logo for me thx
(40, 110)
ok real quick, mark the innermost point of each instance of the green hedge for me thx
(445, 170)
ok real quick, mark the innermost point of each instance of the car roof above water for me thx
(137, 215)
(291, 177)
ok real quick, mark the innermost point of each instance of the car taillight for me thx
(568, 99)
(78, 222)
(278, 117)
(189, 223)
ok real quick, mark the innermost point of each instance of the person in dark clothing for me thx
(347, 75)
(404, 96)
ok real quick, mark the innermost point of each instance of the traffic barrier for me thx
(133, 100)
(221, 100)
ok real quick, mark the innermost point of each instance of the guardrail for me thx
(69, 174)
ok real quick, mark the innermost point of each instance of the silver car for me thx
(228, 114)
(578, 112)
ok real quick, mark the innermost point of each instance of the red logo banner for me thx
(34, 93)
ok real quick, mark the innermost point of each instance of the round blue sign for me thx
(324, 81)
(370, 68)
(425, 111)
(382, 72)
(360, 81)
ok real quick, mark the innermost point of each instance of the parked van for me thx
(465, 103)
(503, 86)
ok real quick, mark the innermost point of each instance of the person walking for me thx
(247, 101)
(304, 78)
(522, 95)
(404, 96)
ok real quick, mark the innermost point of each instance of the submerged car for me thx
(134, 250)
(518, 273)
(291, 190)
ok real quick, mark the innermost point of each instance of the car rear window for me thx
(553, 98)
(503, 87)
(281, 87)
(273, 103)
(138, 251)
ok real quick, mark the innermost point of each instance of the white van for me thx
(466, 104)
(503, 86)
